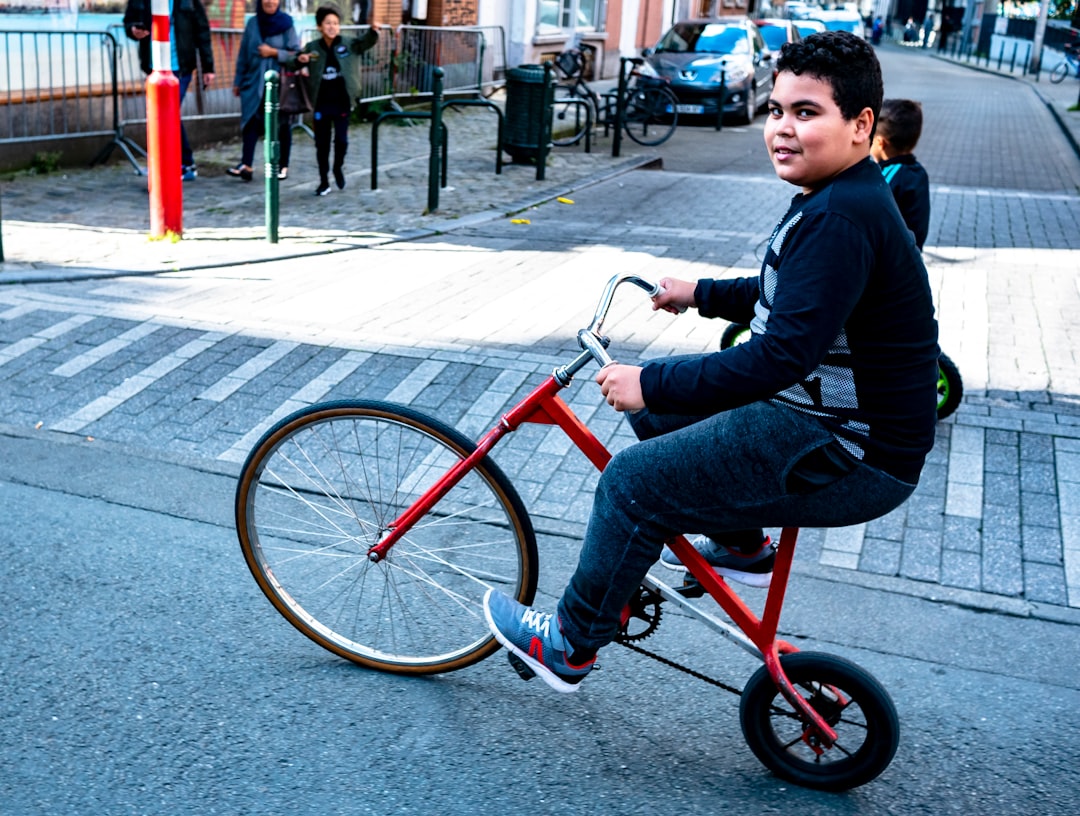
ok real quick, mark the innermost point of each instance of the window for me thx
(556, 16)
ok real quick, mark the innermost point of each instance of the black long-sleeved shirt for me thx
(911, 188)
(842, 327)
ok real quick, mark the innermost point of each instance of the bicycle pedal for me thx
(690, 588)
(520, 666)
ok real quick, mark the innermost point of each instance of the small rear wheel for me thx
(1060, 72)
(734, 334)
(847, 697)
(651, 116)
(950, 387)
(328, 482)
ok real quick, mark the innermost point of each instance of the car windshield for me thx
(774, 36)
(707, 38)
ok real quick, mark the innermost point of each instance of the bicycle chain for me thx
(692, 672)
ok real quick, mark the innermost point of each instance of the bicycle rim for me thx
(650, 116)
(322, 487)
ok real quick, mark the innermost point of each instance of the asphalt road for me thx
(145, 674)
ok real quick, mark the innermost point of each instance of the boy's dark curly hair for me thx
(846, 62)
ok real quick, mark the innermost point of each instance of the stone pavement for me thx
(467, 315)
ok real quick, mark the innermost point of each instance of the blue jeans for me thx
(757, 466)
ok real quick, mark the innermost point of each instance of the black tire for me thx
(867, 726)
(950, 387)
(1061, 70)
(571, 115)
(651, 114)
(323, 485)
(749, 110)
(734, 334)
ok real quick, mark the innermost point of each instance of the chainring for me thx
(641, 617)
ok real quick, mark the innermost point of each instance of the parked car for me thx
(776, 31)
(808, 27)
(843, 21)
(795, 8)
(694, 54)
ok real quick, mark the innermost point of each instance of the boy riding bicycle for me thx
(822, 419)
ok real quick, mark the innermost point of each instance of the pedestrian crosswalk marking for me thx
(419, 379)
(133, 385)
(21, 347)
(243, 374)
(18, 311)
(95, 355)
(310, 393)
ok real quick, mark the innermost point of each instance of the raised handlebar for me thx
(594, 344)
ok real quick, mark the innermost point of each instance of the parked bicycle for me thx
(1070, 64)
(649, 106)
(950, 387)
(376, 531)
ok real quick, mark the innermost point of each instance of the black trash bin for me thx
(525, 124)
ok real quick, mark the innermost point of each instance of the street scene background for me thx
(145, 673)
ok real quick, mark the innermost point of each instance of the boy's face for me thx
(809, 140)
(330, 27)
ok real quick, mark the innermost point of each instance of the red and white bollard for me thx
(163, 130)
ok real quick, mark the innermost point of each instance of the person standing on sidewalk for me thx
(190, 46)
(270, 41)
(334, 83)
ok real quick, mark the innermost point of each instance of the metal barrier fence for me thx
(1011, 55)
(60, 84)
(56, 84)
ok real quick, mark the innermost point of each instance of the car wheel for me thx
(746, 116)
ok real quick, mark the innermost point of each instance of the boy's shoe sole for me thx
(759, 580)
(538, 668)
(751, 579)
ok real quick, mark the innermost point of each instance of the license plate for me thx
(690, 108)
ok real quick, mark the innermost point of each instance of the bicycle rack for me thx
(438, 138)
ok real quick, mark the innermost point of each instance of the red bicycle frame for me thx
(544, 406)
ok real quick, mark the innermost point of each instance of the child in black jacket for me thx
(898, 131)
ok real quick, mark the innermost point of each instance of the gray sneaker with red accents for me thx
(754, 569)
(535, 638)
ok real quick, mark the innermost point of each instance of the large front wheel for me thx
(326, 484)
(847, 697)
(1060, 72)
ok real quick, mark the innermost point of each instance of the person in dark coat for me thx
(189, 32)
(269, 42)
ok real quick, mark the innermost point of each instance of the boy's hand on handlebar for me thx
(621, 386)
(677, 296)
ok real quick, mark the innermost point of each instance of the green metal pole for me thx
(273, 154)
(435, 138)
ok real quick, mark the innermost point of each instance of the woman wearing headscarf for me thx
(270, 40)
